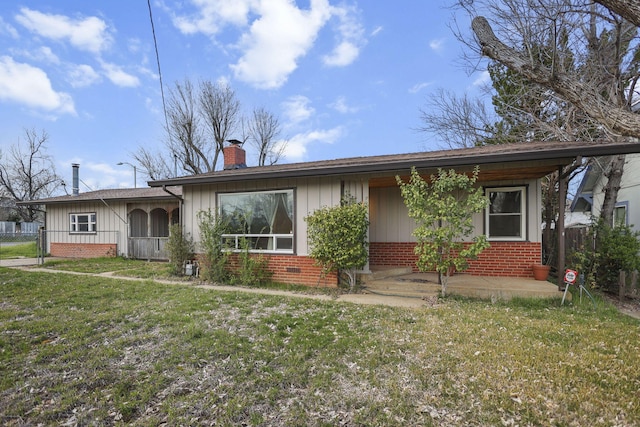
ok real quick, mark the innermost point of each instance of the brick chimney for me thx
(234, 156)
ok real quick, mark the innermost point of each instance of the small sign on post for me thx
(570, 277)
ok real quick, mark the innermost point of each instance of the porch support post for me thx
(562, 198)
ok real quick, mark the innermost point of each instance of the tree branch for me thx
(615, 118)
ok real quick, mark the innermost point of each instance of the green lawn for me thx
(87, 350)
(22, 250)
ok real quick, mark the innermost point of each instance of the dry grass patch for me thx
(88, 350)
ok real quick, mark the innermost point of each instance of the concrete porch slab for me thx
(424, 285)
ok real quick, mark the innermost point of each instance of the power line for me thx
(155, 43)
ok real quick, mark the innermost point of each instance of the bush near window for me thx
(338, 237)
(253, 269)
(214, 259)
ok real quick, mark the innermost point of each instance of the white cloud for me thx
(6, 28)
(297, 109)
(277, 39)
(437, 44)
(89, 34)
(343, 54)
(83, 75)
(30, 86)
(377, 30)
(275, 34)
(41, 54)
(482, 79)
(341, 106)
(212, 15)
(118, 76)
(296, 148)
(419, 86)
(350, 38)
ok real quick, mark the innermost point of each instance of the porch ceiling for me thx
(488, 173)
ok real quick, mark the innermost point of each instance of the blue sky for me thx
(345, 78)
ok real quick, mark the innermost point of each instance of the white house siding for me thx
(628, 195)
(629, 192)
(390, 220)
(310, 194)
(110, 223)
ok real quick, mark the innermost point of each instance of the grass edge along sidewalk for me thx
(98, 350)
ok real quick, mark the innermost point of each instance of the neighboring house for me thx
(268, 204)
(590, 193)
(130, 222)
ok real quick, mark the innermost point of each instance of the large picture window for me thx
(263, 219)
(506, 216)
(82, 222)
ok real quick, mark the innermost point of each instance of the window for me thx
(265, 219)
(82, 222)
(620, 216)
(505, 218)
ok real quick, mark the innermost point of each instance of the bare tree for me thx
(199, 121)
(155, 164)
(220, 111)
(604, 46)
(458, 121)
(28, 173)
(585, 54)
(186, 135)
(263, 131)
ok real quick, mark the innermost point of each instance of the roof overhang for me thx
(535, 159)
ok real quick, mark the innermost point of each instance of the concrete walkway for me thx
(28, 264)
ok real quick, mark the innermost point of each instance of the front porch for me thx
(403, 282)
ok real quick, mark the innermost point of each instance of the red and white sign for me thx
(570, 276)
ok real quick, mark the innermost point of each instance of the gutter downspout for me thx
(166, 190)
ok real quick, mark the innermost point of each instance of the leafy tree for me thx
(338, 237)
(27, 173)
(443, 210)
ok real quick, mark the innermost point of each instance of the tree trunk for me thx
(628, 9)
(614, 175)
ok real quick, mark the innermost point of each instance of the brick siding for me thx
(295, 270)
(83, 250)
(507, 259)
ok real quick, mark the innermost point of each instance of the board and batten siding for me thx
(310, 194)
(110, 223)
(390, 220)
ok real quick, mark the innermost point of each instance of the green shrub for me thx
(338, 237)
(180, 247)
(214, 259)
(608, 251)
(253, 269)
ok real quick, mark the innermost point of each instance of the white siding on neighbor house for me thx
(629, 193)
(310, 194)
(390, 220)
(111, 224)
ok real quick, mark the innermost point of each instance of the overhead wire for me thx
(155, 44)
